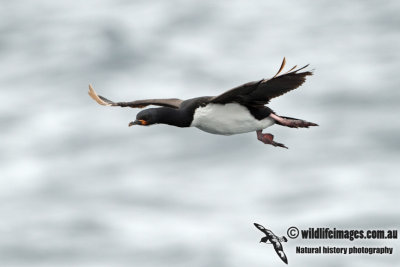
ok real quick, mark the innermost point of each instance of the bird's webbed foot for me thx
(268, 139)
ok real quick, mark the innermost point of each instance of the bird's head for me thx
(145, 118)
(264, 239)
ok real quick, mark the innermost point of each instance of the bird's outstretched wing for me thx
(259, 93)
(279, 250)
(260, 227)
(170, 102)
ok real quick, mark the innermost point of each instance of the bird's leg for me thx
(291, 122)
(268, 139)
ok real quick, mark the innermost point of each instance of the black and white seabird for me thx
(239, 110)
(274, 240)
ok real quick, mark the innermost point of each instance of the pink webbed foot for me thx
(268, 139)
(291, 122)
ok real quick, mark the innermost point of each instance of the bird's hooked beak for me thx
(138, 122)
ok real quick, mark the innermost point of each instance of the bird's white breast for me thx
(227, 119)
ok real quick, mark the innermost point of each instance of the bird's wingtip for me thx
(281, 68)
(92, 93)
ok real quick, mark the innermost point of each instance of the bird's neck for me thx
(172, 116)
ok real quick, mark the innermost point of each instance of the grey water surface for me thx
(80, 188)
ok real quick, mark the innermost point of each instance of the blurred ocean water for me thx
(80, 188)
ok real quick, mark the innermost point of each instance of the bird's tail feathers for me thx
(283, 239)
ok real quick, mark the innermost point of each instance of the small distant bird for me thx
(274, 240)
(239, 110)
